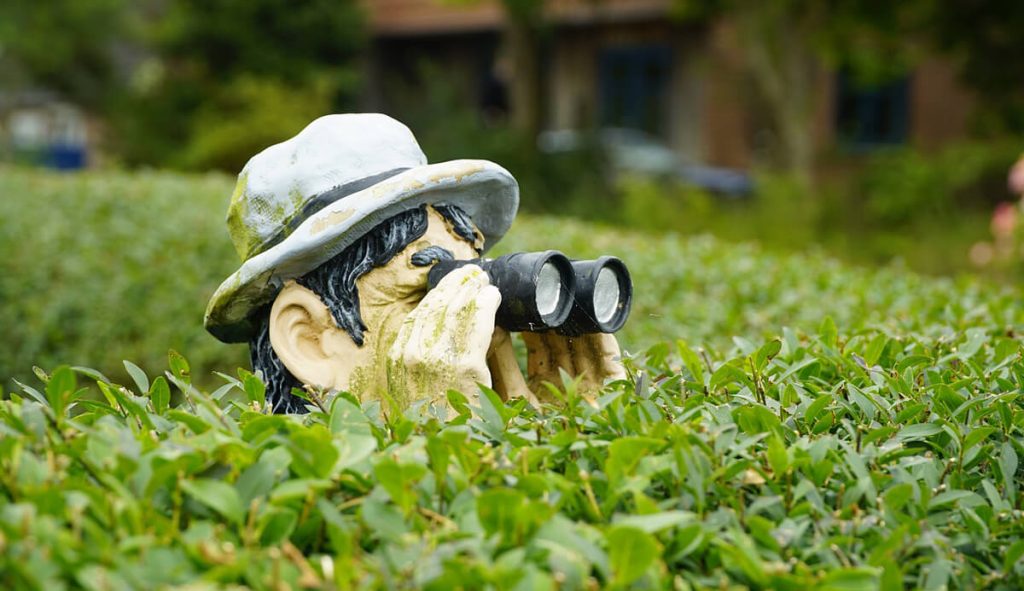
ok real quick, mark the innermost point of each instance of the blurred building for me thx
(627, 63)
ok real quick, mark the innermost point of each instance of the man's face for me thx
(401, 280)
(317, 352)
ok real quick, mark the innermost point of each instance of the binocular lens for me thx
(549, 289)
(606, 294)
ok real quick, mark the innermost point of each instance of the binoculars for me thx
(543, 291)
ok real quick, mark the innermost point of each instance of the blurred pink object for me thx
(1004, 220)
(981, 254)
(1016, 178)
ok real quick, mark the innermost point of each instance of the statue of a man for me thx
(337, 229)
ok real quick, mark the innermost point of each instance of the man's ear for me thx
(303, 334)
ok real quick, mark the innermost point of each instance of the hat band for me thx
(322, 200)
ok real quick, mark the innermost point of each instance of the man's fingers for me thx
(593, 358)
(405, 333)
(538, 355)
(473, 322)
(454, 310)
(499, 338)
(561, 353)
(427, 325)
(460, 331)
(506, 377)
(588, 355)
(469, 315)
(611, 356)
(468, 279)
(546, 354)
(597, 357)
(473, 292)
(465, 332)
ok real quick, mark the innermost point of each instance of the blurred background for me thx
(874, 131)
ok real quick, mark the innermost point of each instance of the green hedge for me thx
(774, 451)
(805, 462)
(100, 267)
(105, 266)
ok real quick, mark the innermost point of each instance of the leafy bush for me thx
(826, 426)
(100, 267)
(810, 461)
(248, 115)
(900, 185)
(129, 260)
(925, 210)
(203, 73)
(782, 215)
(962, 180)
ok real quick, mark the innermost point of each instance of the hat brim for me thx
(485, 191)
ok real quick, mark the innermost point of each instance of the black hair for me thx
(461, 222)
(335, 282)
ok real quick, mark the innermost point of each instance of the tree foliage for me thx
(225, 79)
(787, 43)
(287, 40)
(179, 81)
(986, 41)
(69, 46)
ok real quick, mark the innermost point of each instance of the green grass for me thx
(790, 422)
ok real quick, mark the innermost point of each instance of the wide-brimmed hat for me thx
(299, 203)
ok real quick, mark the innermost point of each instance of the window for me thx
(634, 85)
(868, 116)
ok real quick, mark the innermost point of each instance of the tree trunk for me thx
(522, 40)
(784, 69)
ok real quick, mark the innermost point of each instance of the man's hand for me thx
(594, 358)
(506, 376)
(442, 345)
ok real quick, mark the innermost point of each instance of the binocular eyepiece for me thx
(543, 291)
